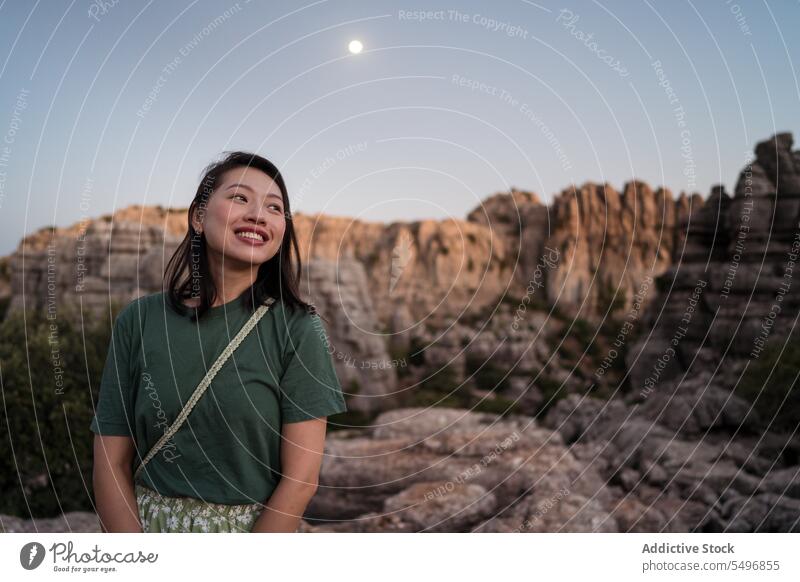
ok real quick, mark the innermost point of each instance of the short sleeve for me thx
(309, 386)
(114, 413)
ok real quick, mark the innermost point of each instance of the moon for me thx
(355, 46)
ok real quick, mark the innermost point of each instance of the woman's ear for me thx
(197, 224)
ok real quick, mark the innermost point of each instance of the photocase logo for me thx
(31, 555)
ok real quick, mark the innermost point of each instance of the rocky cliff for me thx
(591, 466)
(591, 241)
(731, 287)
(387, 286)
(609, 330)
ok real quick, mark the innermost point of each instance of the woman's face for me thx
(244, 219)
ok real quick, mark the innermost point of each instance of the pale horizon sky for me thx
(101, 108)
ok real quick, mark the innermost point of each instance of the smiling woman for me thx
(246, 457)
(249, 196)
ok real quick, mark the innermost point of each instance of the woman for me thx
(247, 457)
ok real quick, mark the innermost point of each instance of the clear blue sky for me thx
(135, 98)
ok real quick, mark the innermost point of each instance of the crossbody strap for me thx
(204, 383)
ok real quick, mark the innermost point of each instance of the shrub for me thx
(551, 390)
(583, 332)
(416, 352)
(46, 449)
(487, 375)
(774, 392)
(497, 405)
(610, 298)
(350, 419)
(4, 303)
(354, 387)
(440, 389)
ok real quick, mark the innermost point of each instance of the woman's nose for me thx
(255, 214)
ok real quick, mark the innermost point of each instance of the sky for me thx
(108, 103)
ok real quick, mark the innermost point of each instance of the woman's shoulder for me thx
(150, 300)
(293, 319)
(296, 327)
(142, 303)
(296, 313)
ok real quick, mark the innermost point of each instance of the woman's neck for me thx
(231, 281)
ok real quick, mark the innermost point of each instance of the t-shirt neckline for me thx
(231, 308)
(234, 306)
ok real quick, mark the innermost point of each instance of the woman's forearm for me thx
(285, 507)
(116, 499)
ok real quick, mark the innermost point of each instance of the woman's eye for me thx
(276, 207)
(240, 196)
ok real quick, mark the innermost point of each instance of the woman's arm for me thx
(302, 444)
(113, 484)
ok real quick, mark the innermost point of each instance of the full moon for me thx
(355, 46)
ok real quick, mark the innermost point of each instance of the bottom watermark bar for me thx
(402, 556)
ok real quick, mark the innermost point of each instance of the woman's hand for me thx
(302, 445)
(113, 484)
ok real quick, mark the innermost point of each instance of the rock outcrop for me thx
(74, 521)
(676, 450)
(731, 286)
(385, 285)
(590, 244)
(443, 469)
(119, 258)
(590, 466)
(694, 448)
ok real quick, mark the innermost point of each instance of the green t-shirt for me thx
(228, 449)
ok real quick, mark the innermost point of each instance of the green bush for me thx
(403, 360)
(610, 298)
(350, 419)
(51, 369)
(487, 375)
(774, 392)
(4, 303)
(583, 332)
(497, 405)
(416, 352)
(551, 390)
(444, 390)
(440, 389)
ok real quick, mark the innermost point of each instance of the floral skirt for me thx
(160, 514)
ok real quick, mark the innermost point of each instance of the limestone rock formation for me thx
(417, 271)
(590, 243)
(365, 370)
(124, 256)
(590, 466)
(611, 242)
(444, 469)
(73, 521)
(671, 459)
(731, 286)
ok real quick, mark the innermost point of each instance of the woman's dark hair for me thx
(188, 275)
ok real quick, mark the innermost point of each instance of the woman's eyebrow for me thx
(245, 186)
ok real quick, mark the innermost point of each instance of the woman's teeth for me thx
(252, 235)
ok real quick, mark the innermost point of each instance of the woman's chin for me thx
(251, 259)
(236, 253)
(244, 258)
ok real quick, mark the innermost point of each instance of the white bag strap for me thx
(204, 383)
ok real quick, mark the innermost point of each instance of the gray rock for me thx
(74, 521)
